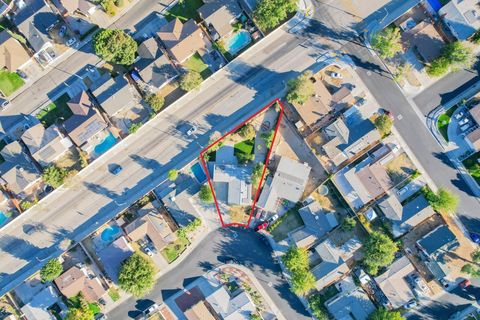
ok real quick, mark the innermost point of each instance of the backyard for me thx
(195, 63)
(184, 10)
(244, 150)
(444, 120)
(473, 167)
(175, 249)
(290, 221)
(9, 82)
(57, 110)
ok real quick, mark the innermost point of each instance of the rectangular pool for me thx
(198, 172)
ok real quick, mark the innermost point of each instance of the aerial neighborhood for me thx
(239, 159)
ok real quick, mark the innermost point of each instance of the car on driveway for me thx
(261, 226)
(475, 237)
(459, 115)
(273, 219)
(463, 121)
(336, 75)
(411, 304)
(192, 130)
(62, 31)
(70, 42)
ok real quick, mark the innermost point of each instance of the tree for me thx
(190, 80)
(257, 172)
(172, 175)
(51, 270)
(301, 88)
(387, 42)
(268, 137)
(476, 256)
(443, 201)
(384, 314)
(155, 102)
(348, 224)
(471, 270)
(206, 194)
(109, 7)
(54, 176)
(460, 54)
(115, 46)
(438, 67)
(384, 124)
(270, 13)
(296, 259)
(302, 282)
(79, 309)
(136, 275)
(134, 127)
(316, 303)
(379, 251)
(247, 131)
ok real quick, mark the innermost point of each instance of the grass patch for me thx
(444, 120)
(174, 250)
(244, 150)
(195, 63)
(184, 11)
(10, 82)
(473, 167)
(54, 111)
(114, 294)
(289, 222)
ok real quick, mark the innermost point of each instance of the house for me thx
(37, 308)
(151, 225)
(319, 105)
(394, 282)
(469, 312)
(84, 7)
(317, 223)
(182, 40)
(115, 95)
(333, 265)
(405, 217)
(232, 184)
(154, 68)
(436, 245)
(85, 122)
(462, 17)
(473, 138)
(351, 303)
(112, 257)
(288, 183)
(230, 307)
(18, 172)
(345, 141)
(425, 40)
(219, 16)
(33, 19)
(12, 54)
(45, 145)
(78, 280)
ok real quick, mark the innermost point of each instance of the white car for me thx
(151, 310)
(464, 128)
(463, 121)
(336, 75)
(191, 131)
(411, 304)
(273, 218)
(459, 115)
(70, 42)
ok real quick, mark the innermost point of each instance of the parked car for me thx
(148, 251)
(261, 226)
(4, 103)
(444, 283)
(62, 31)
(459, 115)
(70, 42)
(464, 121)
(22, 74)
(336, 75)
(100, 316)
(360, 102)
(465, 127)
(411, 304)
(273, 218)
(465, 283)
(151, 309)
(475, 237)
(192, 130)
(116, 169)
(402, 191)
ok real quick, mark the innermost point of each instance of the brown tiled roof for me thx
(181, 40)
(475, 113)
(317, 106)
(12, 53)
(375, 179)
(75, 280)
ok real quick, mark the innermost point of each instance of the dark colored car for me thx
(115, 170)
(226, 259)
(465, 283)
(261, 226)
(475, 237)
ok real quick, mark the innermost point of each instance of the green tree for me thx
(172, 175)
(270, 13)
(268, 137)
(443, 201)
(384, 314)
(302, 282)
(109, 7)
(387, 42)
(379, 251)
(476, 37)
(206, 194)
(438, 67)
(247, 131)
(190, 80)
(115, 46)
(54, 176)
(257, 172)
(316, 304)
(51, 270)
(136, 275)
(155, 102)
(476, 256)
(301, 88)
(79, 309)
(384, 124)
(134, 127)
(460, 54)
(471, 270)
(348, 224)
(296, 259)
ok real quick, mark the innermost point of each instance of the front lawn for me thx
(443, 122)
(184, 10)
(55, 111)
(473, 167)
(244, 150)
(10, 82)
(195, 63)
(174, 250)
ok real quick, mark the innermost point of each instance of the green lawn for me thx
(173, 250)
(114, 294)
(10, 82)
(184, 10)
(244, 150)
(54, 111)
(473, 167)
(443, 122)
(195, 63)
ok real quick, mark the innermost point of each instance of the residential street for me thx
(247, 248)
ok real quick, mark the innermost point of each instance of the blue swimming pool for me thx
(3, 218)
(110, 233)
(238, 41)
(197, 171)
(106, 144)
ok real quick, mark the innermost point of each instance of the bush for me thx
(206, 194)
(115, 46)
(257, 172)
(301, 88)
(348, 224)
(51, 270)
(268, 137)
(109, 7)
(387, 42)
(190, 81)
(134, 127)
(443, 201)
(172, 175)
(379, 251)
(454, 55)
(155, 102)
(136, 275)
(438, 67)
(54, 176)
(270, 13)
(384, 314)
(384, 124)
(247, 132)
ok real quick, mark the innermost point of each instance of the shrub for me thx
(206, 194)
(384, 124)
(172, 175)
(136, 275)
(51, 270)
(379, 251)
(301, 88)
(54, 176)
(190, 81)
(155, 102)
(115, 46)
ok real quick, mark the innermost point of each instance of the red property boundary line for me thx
(204, 164)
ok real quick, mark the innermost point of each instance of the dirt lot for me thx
(400, 168)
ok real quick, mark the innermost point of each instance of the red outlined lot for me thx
(257, 193)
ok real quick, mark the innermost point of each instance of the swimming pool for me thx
(197, 171)
(238, 41)
(3, 218)
(106, 144)
(110, 233)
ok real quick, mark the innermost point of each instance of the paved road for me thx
(247, 248)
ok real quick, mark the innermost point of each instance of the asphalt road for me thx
(247, 248)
